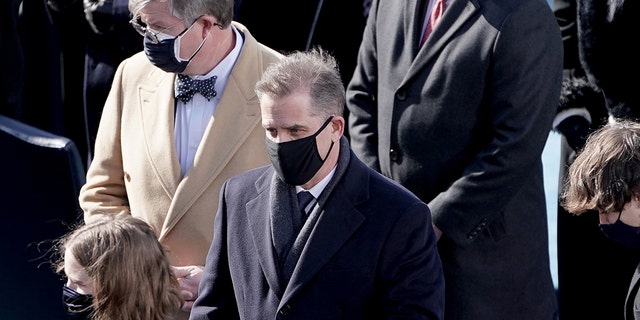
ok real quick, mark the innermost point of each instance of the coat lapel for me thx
(413, 31)
(336, 223)
(220, 142)
(338, 218)
(157, 117)
(260, 224)
(454, 18)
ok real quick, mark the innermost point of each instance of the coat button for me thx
(286, 309)
(394, 155)
(402, 95)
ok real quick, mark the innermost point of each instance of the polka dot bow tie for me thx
(187, 87)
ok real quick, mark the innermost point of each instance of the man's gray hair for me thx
(190, 10)
(315, 71)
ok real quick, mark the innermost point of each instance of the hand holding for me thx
(189, 278)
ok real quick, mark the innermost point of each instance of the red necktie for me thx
(436, 14)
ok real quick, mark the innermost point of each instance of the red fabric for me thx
(436, 14)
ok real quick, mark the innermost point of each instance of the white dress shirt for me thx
(193, 117)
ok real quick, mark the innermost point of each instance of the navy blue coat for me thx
(371, 255)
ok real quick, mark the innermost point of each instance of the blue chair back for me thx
(42, 176)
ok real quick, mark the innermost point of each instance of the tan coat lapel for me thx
(157, 110)
(226, 133)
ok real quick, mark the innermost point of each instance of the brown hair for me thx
(606, 173)
(132, 277)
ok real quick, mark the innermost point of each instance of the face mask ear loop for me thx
(324, 125)
(199, 47)
(178, 40)
(328, 152)
(318, 132)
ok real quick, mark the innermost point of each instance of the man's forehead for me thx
(284, 122)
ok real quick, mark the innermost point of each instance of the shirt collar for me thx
(224, 67)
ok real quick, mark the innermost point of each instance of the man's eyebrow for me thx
(295, 127)
(271, 126)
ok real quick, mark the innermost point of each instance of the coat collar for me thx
(337, 219)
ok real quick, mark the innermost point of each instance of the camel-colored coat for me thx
(136, 170)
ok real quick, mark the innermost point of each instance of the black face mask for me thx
(162, 54)
(622, 233)
(78, 306)
(297, 161)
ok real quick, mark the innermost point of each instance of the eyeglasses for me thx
(152, 35)
(145, 31)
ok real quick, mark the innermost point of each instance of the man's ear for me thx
(209, 24)
(337, 126)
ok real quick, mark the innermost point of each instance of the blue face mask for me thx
(622, 233)
(162, 53)
(78, 306)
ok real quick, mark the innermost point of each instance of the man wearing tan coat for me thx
(163, 159)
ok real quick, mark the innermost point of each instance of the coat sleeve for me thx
(361, 102)
(104, 190)
(216, 299)
(411, 270)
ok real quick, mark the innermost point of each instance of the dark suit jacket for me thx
(462, 123)
(371, 255)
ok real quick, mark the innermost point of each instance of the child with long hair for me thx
(116, 269)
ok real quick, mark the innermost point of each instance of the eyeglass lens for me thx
(139, 26)
(143, 30)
